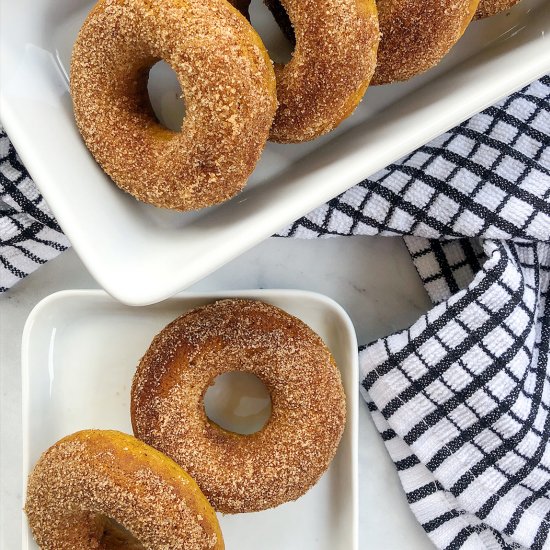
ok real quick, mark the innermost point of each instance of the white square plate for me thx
(80, 351)
(141, 254)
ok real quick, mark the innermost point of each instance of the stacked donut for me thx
(235, 98)
(107, 490)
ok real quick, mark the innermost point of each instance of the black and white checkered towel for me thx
(29, 234)
(462, 397)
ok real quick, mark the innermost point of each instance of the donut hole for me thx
(274, 28)
(114, 536)
(238, 402)
(166, 96)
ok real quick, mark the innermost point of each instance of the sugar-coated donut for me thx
(417, 34)
(241, 473)
(227, 80)
(332, 64)
(100, 489)
(487, 8)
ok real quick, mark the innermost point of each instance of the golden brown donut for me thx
(487, 8)
(417, 34)
(229, 88)
(241, 473)
(100, 489)
(332, 64)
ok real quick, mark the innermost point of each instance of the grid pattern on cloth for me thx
(461, 398)
(29, 234)
(445, 266)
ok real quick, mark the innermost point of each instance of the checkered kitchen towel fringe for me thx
(461, 398)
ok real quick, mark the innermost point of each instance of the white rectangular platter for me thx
(141, 254)
(80, 350)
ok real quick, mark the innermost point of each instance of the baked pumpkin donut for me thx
(100, 489)
(332, 64)
(417, 34)
(241, 473)
(487, 8)
(227, 80)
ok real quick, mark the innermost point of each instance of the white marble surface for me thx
(372, 278)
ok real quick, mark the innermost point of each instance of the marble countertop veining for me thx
(371, 277)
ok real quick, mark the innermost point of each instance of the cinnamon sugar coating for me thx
(227, 80)
(487, 8)
(100, 489)
(416, 35)
(241, 473)
(332, 64)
